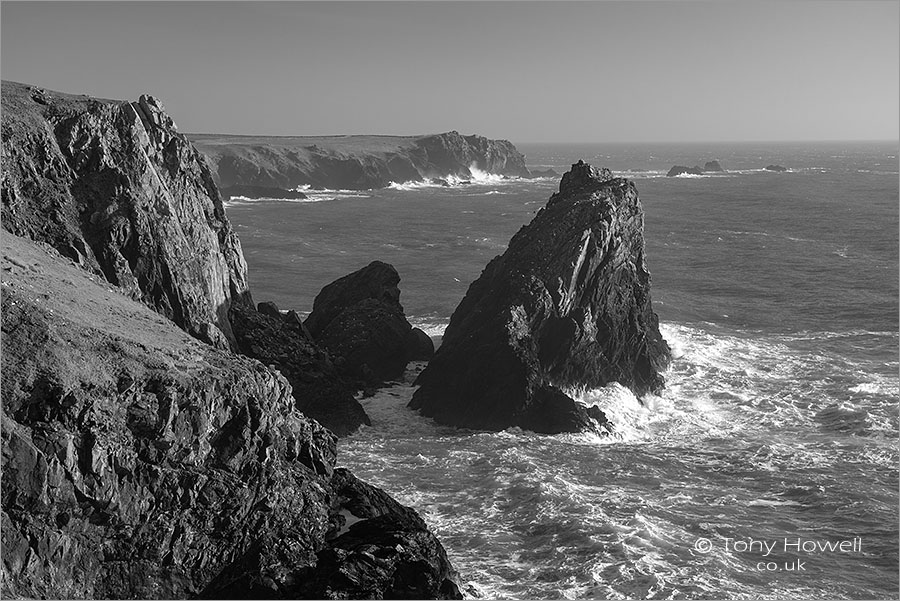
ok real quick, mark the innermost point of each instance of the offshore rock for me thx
(114, 187)
(359, 318)
(421, 346)
(776, 168)
(567, 306)
(140, 463)
(713, 166)
(257, 192)
(319, 391)
(353, 162)
(682, 170)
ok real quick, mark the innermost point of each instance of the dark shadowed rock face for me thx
(359, 318)
(140, 463)
(114, 187)
(567, 306)
(713, 166)
(319, 392)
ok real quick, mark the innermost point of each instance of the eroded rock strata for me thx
(567, 306)
(114, 186)
(354, 162)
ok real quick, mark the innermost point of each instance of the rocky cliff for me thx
(114, 186)
(141, 463)
(567, 306)
(354, 162)
(138, 462)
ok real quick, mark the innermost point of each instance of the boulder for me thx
(713, 166)
(359, 318)
(682, 170)
(421, 346)
(269, 308)
(566, 307)
(139, 462)
(318, 390)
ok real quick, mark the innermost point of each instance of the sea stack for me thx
(359, 319)
(566, 307)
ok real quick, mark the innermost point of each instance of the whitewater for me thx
(778, 293)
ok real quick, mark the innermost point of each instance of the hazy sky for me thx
(527, 71)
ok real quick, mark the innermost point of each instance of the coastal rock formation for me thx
(567, 306)
(319, 392)
(713, 166)
(138, 462)
(141, 463)
(359, 319)
(682, 170)
(354, 162)
(114, 187)
(421, 346)
(776, 168)
(260, 192)
(543, 173)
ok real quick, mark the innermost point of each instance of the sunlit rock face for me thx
(114, 186)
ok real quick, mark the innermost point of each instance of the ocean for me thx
(768, 468)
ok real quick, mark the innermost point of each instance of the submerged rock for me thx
(359, 318)
(777, 168)
(567, 306)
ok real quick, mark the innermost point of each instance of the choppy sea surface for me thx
(776, 438)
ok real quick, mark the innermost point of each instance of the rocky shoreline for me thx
(139, 461)
(260, 165)
(165, 437)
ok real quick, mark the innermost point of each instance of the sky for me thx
(524, 71)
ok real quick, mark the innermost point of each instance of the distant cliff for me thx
(354, 162)
(113, 186)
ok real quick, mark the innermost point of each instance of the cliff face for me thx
(141, 463)
(115, 187)
(138, 462)
(354, 162)
(567, 306)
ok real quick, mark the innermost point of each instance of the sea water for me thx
(776, 438)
